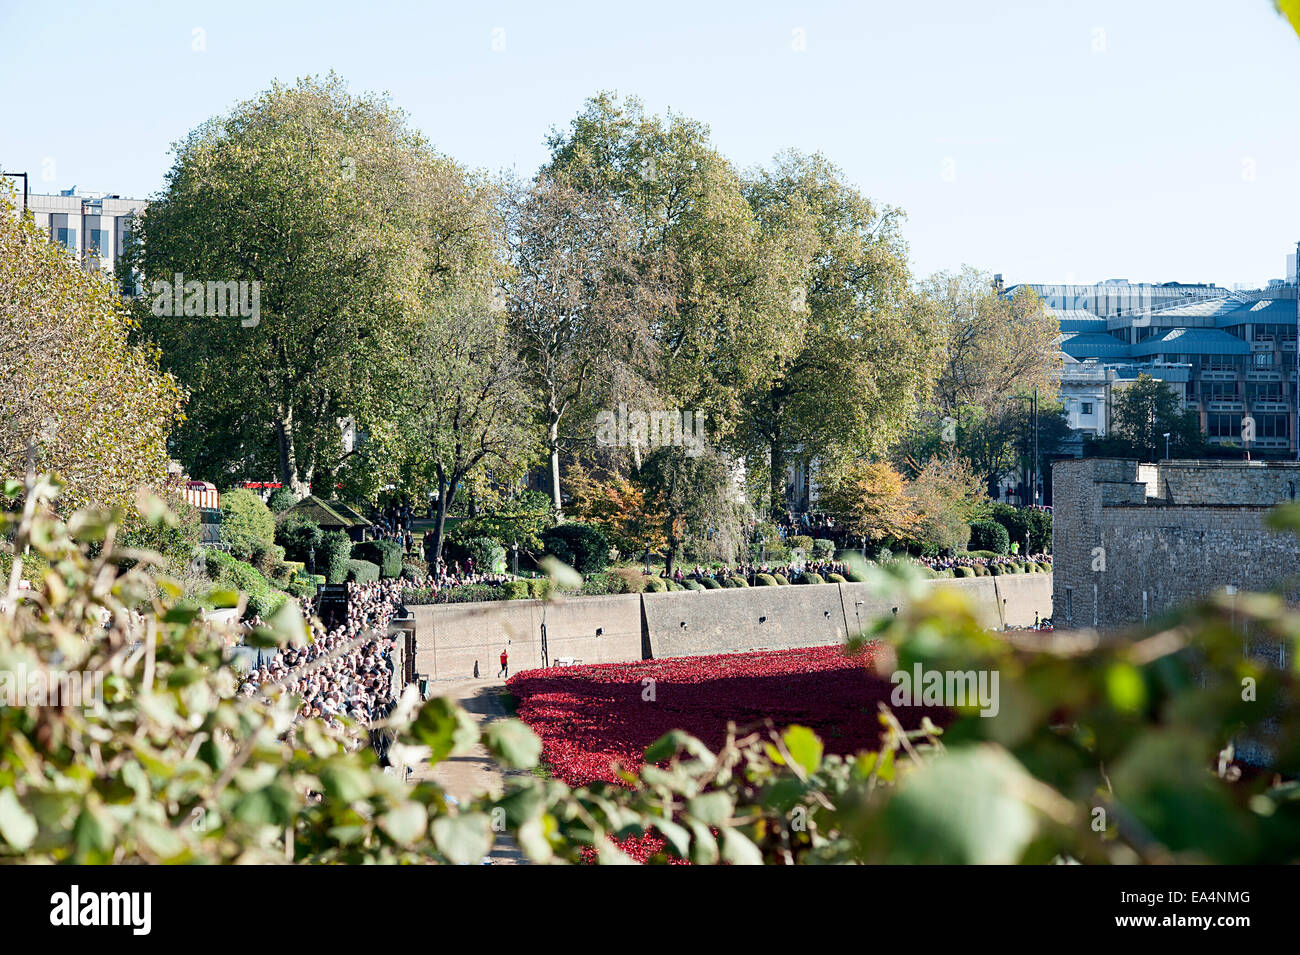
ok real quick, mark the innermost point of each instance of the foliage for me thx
(623, 509)
(489, 557)
(300, 537)
(281, 499)
(517, 520)
(869, 499)
(989, 536)
(246, 522)
(333, 555)
(384, 554)
(947, 495)
(362, 571)
(1142, 413)
(1031, 527)
(346, 218)
(583, 547)
(92, 406)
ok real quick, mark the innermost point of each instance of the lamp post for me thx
(515, 563)
(1167, 433)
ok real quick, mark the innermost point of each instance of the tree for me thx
(581, 300)
(867, 346)
(948, 495)
(77, 395)
(724, 328)
(621, 508)
(691, 493)
(1142, 414)
(460, 411)
(337, 218)
(869, 498)
(994, 346)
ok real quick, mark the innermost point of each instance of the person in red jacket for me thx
(504, 671)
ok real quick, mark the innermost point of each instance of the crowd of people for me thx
(344, 672)
(966, 560)
(750, 571)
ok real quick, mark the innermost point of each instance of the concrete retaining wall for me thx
(451, 638)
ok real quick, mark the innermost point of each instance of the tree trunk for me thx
(776, 503)
(446, 495)
(288, 454)
(553, 448)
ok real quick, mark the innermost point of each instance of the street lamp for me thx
(1167, 445)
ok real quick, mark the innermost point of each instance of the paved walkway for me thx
(475, 772)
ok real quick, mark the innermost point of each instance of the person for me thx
(504, 671)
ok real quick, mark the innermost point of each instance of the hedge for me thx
(655, 585)
(299, 536)
(963, 572)
(515, 589)
(245, 522)
(989, 535)
(823, 548)
(811, 577)
(384, 554)
(765, 580)
(782, 580)
(737, 582)
(583, 547)
(362, 571)
(693, 585)
(333, 555)
(801, 541)
(835, 579)
(710, 584)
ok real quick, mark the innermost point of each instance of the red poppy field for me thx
(588, 717)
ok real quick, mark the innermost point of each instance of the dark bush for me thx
(386, 555)
(362, 571)
(823, 549)
(583, 547)
(332, 556)
(765, 580)
(281, 500)
(710, 584)
(300, 537)
(989, 535)
(811, 577)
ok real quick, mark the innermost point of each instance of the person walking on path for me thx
(504, 671)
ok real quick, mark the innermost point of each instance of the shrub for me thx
(300, 537)
(386, 555)
(782, 580)
(540, 588)
(583, 547)
(515, 589)
(265, 556)
(333, 555)
(632, 579)
(601, 585)
(996, 570)
(245, 522)
(655, 585)
(736, 582)
(963, 571)
(823, 549)
(801, 542)
(281, 500)
(693, 585)
(710, 584)
(811, 577)
(362, 571)
(835, 579)
(765, 580)
(989, 535)
(489, 556)
(981, 570)
(413, 571)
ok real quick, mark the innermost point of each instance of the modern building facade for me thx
(94, 226)
(1229, 355)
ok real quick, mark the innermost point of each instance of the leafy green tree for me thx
(344, 218)
(246, 522)
(724, 329)
(582, 301)
(78, 398)
(1142, 414)
(692, 494)
(867, 347)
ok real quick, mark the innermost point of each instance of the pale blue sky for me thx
(1053, 140)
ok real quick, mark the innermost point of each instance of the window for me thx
(1264, 359)
(66, 238)
(100, 243)
(1223, 425)
(1085, 407)
(1273, 426)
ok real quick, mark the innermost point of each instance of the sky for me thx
(1050, 141)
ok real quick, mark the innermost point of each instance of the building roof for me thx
(322, 513)
(1076, 320)
(1192, 341)
(1095, 345)
(1263, 312)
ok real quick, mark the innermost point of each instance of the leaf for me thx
(17, 825)
(463, 839)
(804, 746)
(738, 850)
(406, 823)
(511, 741)
(345, 782)
(445, 728)
(712, 809)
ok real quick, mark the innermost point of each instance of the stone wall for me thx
(1132, 541)
(451, 639)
